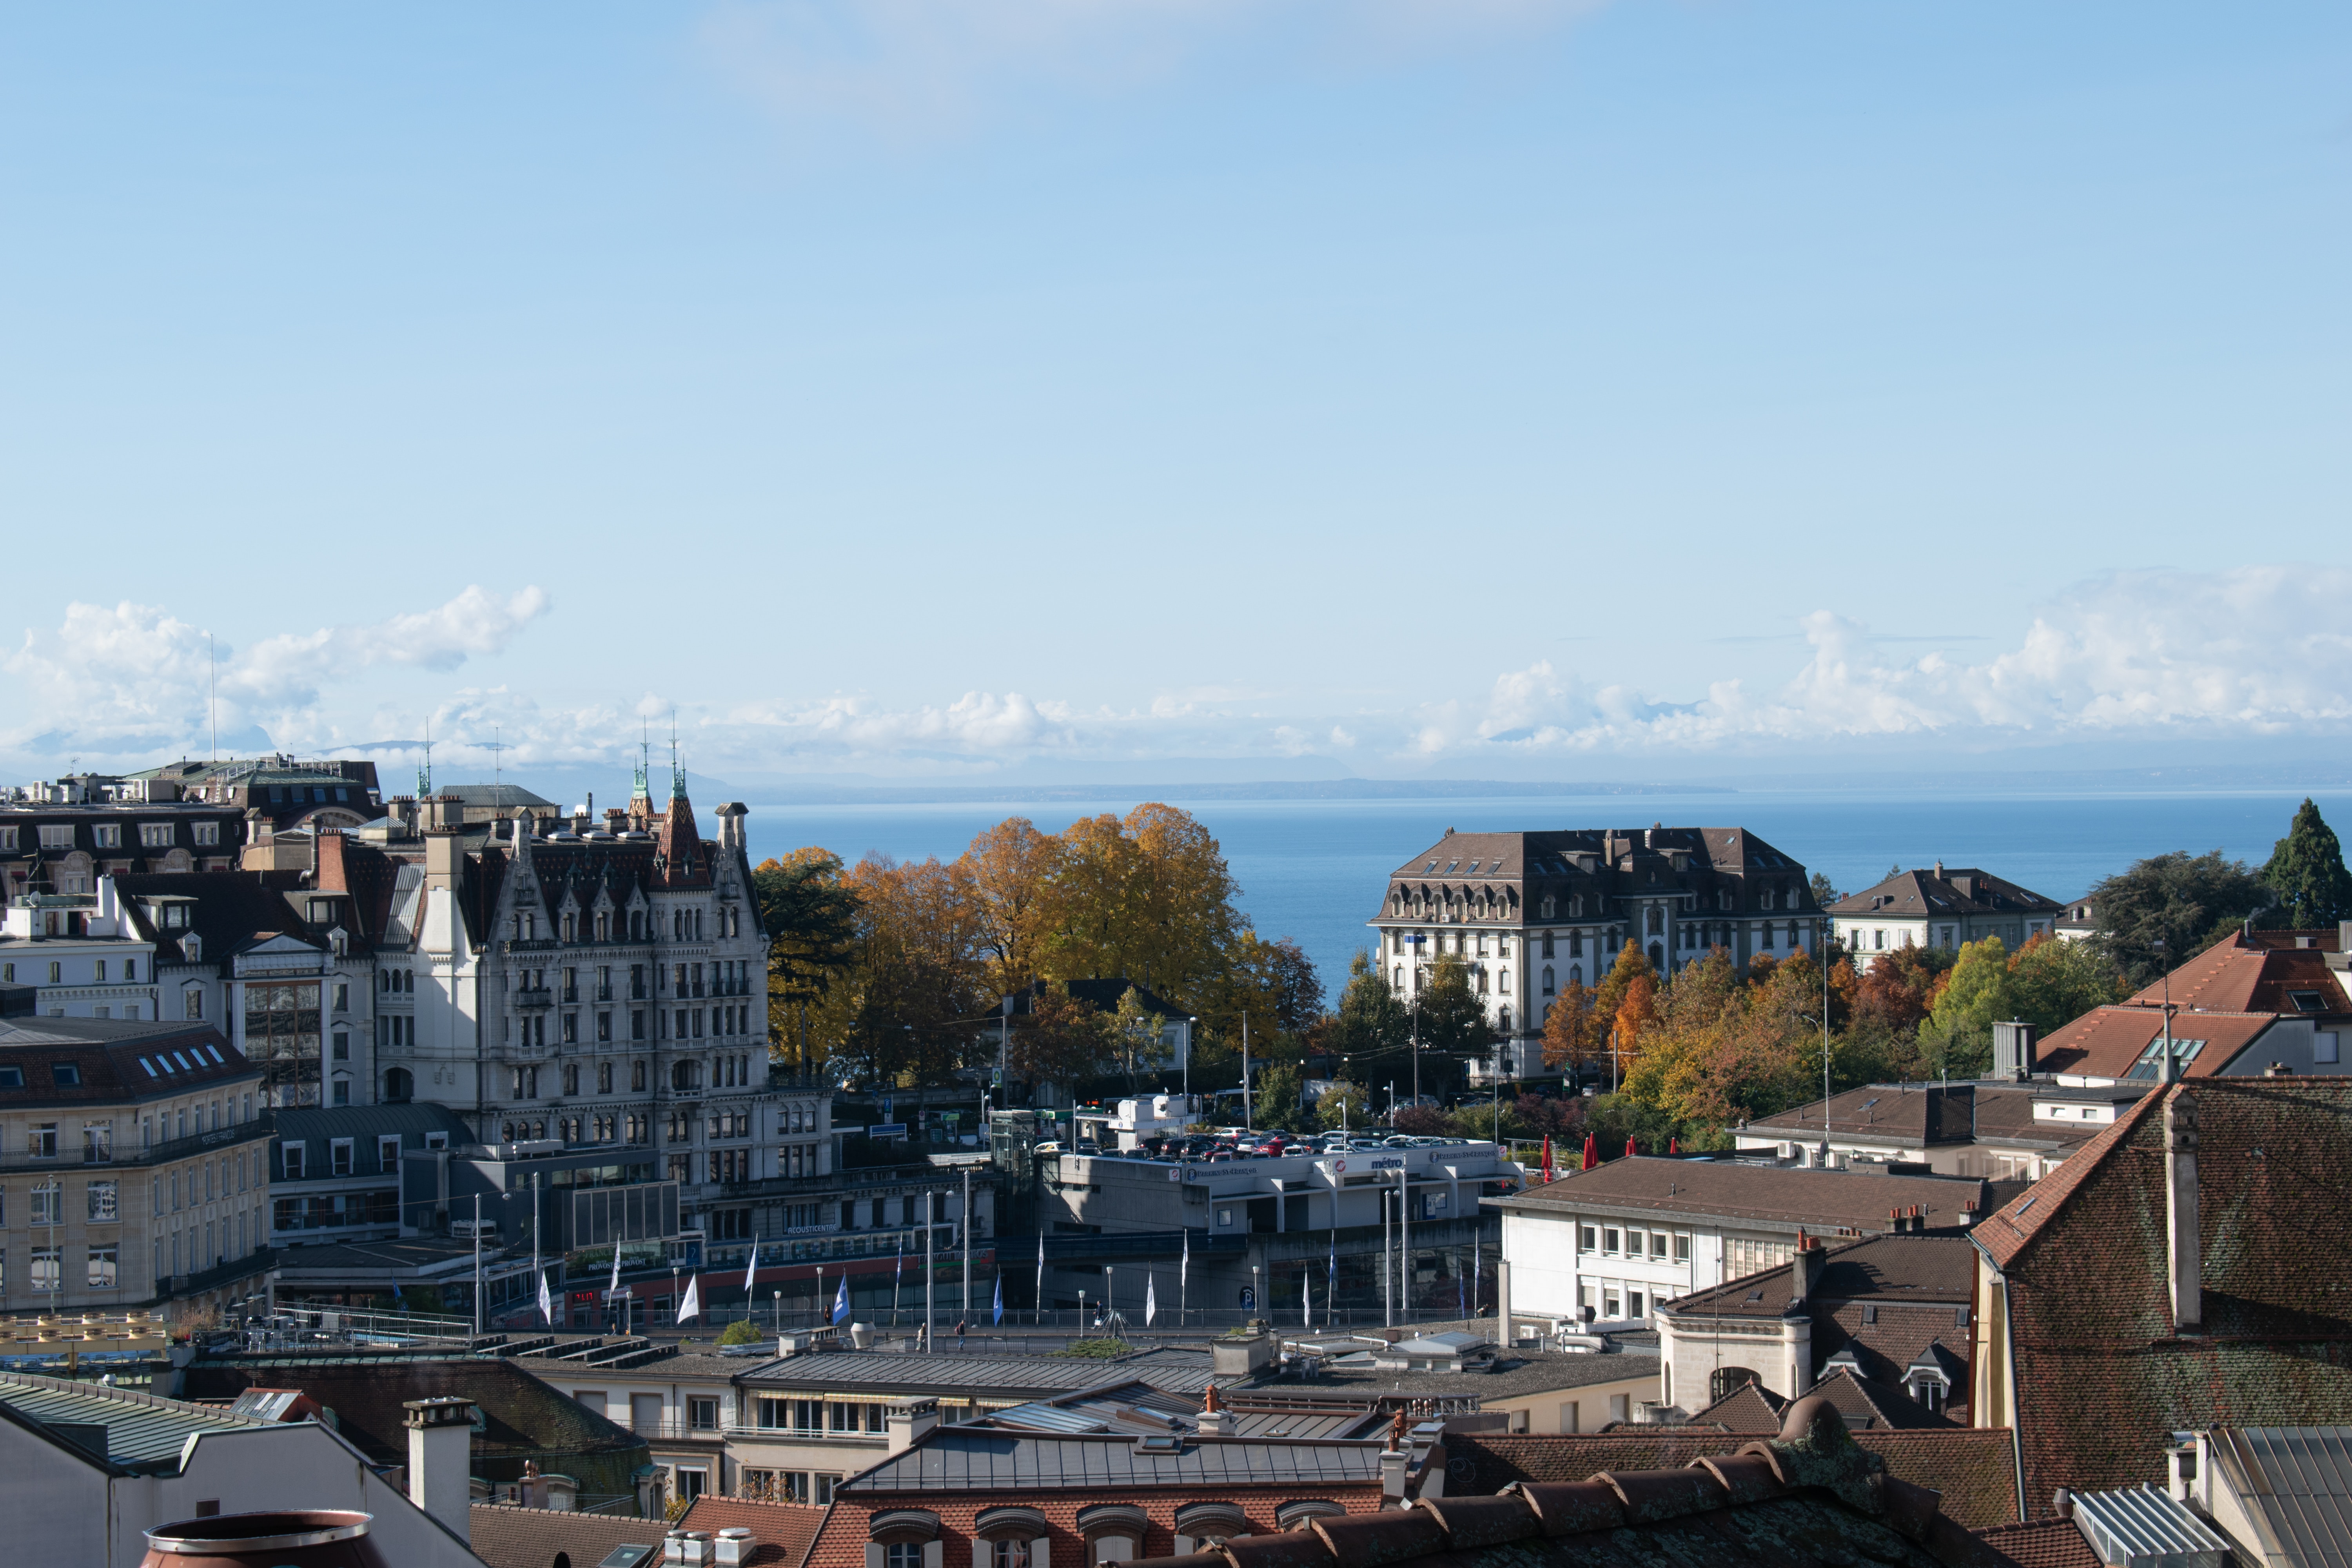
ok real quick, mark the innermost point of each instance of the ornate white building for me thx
(590, 984)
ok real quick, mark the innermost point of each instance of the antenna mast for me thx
(425, 774)
(212, 659)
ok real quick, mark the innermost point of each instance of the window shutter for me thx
(1041, 1553)
(874, 1552)
(1183, 1546)
(980, 1553)
(935, 1555)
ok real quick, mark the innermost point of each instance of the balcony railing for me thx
(809, 1435)
(533, 996)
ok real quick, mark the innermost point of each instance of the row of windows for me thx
(57, 974)
(102, 1199)
(1618, 1241)
(109, 836)
(101, 1268)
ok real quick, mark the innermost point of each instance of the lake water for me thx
(1315, 869)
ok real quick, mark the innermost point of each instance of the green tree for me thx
(1137, 1034)
(2053, 982)
(1371, 1021)
(1276, 1103)
(2163, 910)
(1452, 1018)
(1825, 891)
(1958, 1034)
(1342, 1104)
(2307, 871)
(742, 1331)
(809, 914)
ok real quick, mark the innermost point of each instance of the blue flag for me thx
(841, 1301)
(999, 1301)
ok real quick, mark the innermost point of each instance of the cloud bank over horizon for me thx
(2255, 653)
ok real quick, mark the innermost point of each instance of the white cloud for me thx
(2260, 650)
(134, 678)
(918, 66)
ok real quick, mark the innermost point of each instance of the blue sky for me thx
(940, 389)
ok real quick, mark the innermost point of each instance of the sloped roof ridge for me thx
(2008, 1239)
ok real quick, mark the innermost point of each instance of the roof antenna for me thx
(425, 774)
(212, 657)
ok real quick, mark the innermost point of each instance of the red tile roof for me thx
(2101, 1375)
(784, 1530)
(2234, 975)
(2107, 1042)
(2041, 1544)
(505, 1536)
(1973, 1467)
(1809, 1495)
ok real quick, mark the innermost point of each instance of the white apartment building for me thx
(1530, 913)
(1608, 1244)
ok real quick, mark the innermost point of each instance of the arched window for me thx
(1794, 934)
(1505, 1023)
(1548, 987)
(1396, 981)
(398, 1085)
(1657, 921)
(1548, 938)
(1576, 974)
(1657, 955)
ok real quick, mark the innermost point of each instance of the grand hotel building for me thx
(1528, 912)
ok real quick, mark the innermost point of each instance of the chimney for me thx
(2012, 1050)
(1212, 1415)
(440, 1460)
(1894, 1222)
(2181, 1204)
(689, 1547)
(1804, 1270)
(734, 1547)
(910, 1420)
(1393, 1462)
(444, 860)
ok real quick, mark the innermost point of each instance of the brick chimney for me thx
(440, 1459)
(2188, 1279)
(1804, 1270)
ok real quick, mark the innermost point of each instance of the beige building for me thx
(133, 1168)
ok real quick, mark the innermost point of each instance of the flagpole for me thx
(1037, 1316)
(1183, 1276)
(930, 1309)
(965, 1238)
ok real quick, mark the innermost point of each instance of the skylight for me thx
(148, 1065)
(2308, 1001)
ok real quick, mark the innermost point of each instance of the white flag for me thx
(751, 1269)
(1151, 1300)
(546, 1303)
(1184, 1269)
(614, 1288)
(691, 1307)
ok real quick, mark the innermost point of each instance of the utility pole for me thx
(930, 1279)
(967, 1245)
(1388, 1267)
(1405, 1240)
(1247, 1124)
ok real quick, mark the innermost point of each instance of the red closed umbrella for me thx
(1629, 1148)
(1591, 1152)
(1674, 1145)
(1547, 1157)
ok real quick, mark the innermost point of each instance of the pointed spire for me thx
(425, 774)
(677, 774)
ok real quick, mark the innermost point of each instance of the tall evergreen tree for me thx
(2306, 872)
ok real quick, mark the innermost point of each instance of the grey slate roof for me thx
(1765, 1196)
(971, 1458)
(1025, 1377)
(142, 1429)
